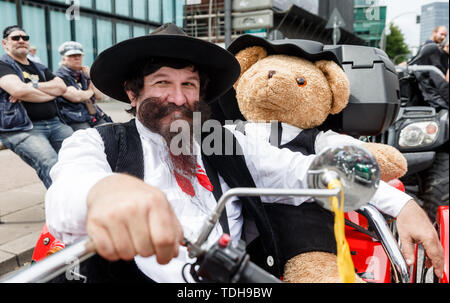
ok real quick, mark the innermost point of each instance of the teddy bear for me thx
(302, 93)
(280, 84)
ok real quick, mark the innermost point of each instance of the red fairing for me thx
(369, 258)
(46, 245)
(442, 221)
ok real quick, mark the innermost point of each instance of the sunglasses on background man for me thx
(17, 38)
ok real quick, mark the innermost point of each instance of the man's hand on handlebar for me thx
(136, 220)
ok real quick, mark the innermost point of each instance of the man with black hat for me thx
(126, 187)
(29, 122)
(77, 106)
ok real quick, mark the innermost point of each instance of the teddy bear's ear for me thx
(339, 84)
(249, 56)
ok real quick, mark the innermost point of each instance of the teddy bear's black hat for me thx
(310, 50)
(112, 67)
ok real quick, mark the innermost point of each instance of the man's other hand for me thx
(414, 226)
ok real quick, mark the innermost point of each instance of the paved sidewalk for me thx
(22, 213)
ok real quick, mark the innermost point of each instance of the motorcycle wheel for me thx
(435, 187)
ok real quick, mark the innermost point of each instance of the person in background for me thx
(445, 50)
(29, 122)
(438, 35)
(77, 106)
(32, 55)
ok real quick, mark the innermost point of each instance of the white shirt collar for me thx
(263, 130)
(147, 134)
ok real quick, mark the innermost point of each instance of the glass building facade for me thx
(369, 21)
(96, 24)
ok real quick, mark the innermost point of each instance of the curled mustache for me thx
(152, 110)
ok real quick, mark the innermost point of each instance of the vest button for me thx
(270, 261)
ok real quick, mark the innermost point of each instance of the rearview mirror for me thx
(356, 169)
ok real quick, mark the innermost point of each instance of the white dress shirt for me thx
(82, 163)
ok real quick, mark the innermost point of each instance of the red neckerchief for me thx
(186, 185)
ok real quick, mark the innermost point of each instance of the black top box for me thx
(374, 91)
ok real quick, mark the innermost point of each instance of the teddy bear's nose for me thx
(271, 73)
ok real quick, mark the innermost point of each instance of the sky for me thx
(408, 9)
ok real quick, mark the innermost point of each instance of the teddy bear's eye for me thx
(301, 82)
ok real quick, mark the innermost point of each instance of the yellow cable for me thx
(345, 262)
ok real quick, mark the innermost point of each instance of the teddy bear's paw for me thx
(313, 267)
(392, 163)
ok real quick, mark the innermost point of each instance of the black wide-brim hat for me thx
(113, 66)
(307, 49)
(226, 107)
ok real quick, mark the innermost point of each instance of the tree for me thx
(396, 47)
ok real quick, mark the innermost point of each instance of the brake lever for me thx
(193, 249)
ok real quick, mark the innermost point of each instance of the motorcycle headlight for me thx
(418, 134)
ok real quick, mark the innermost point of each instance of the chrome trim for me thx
(54, 265)
(389, 243)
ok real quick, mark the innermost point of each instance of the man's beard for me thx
(20, 52)
(158, 116)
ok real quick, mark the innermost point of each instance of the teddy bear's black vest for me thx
(311, 224)
(303, 142)
(123, 148)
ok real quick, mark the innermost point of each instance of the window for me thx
(168, 11)
(84, 33)
(179, 13)
(154, 10)
(139, 9)
(82, 3)
(104, 5)
(33, 20)
(123, 7)
(122, 32)
(86, 3)
(139, 31)
(104, 35)
(9, 17)
(60, 33)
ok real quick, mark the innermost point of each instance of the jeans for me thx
(39, 147)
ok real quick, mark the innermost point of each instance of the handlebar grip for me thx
(252, 273)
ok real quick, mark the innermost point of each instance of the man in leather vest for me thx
(77, 105)
(29, 121)
(125, 187)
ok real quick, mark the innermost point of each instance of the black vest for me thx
(303, 142)
(123, 148)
